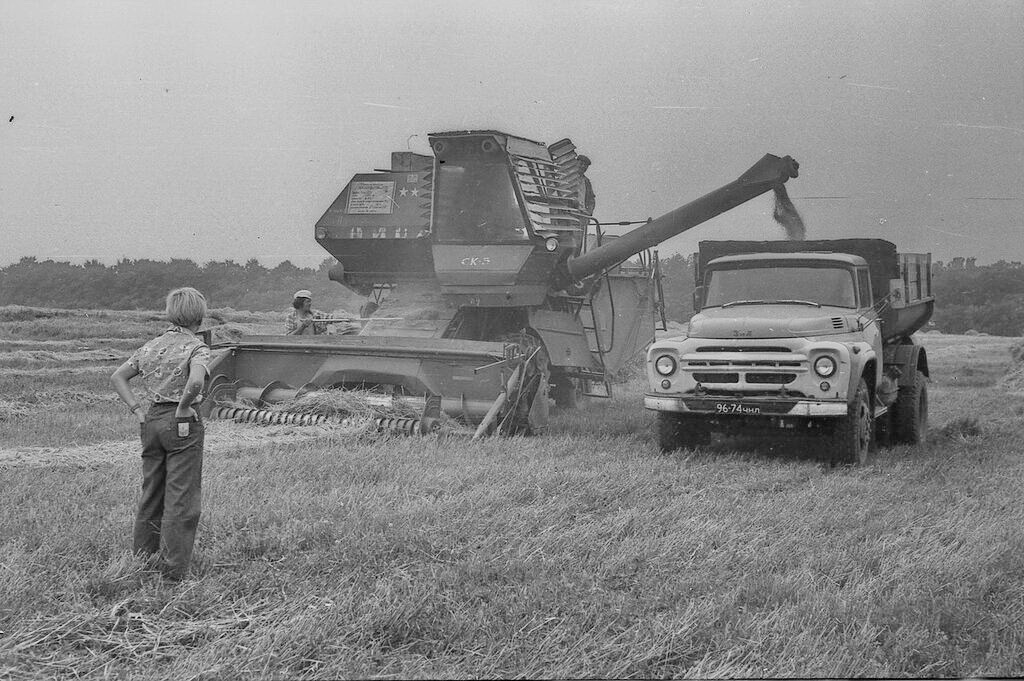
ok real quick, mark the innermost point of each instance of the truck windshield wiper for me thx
(745, 302)
(772, 302)
(799, 302)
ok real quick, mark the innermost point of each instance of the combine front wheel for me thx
(527, 409)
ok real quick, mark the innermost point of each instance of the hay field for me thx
(582, 553)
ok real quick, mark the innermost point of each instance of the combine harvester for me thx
(532, 298)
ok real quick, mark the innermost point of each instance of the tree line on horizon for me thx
(143, 284)
(982, 298)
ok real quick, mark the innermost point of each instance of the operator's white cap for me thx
(303, 294)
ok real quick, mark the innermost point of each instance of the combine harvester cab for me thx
(529, 300)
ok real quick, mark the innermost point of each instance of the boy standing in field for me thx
(173, 367)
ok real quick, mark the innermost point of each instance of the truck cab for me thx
(789, 339)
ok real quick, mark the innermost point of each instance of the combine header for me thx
(531, 300)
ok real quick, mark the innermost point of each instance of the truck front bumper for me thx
(747, 406)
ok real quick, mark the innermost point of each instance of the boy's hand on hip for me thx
(187, 412)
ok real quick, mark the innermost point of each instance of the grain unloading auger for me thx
(529, 299)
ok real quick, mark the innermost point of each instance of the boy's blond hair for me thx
(186, 307)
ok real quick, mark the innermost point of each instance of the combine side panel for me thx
(624, 311)
(565, 339)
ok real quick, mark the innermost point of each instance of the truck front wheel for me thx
(679, 431)
(910, 412)
(853, 435)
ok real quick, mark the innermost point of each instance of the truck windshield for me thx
(475, 202)
(781, 284)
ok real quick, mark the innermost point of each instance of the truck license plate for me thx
(736, 408)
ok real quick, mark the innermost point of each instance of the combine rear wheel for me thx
(565, 391)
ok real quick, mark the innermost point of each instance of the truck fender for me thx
(862, 365)
(910, 358)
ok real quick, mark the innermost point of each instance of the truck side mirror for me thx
(698, 298)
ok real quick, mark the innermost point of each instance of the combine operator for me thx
(586, 197)
(303, 320)
(301, 317)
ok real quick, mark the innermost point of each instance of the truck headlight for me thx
(665, 365)
(551, 244)
(824, 366)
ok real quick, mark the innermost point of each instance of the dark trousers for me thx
(172, 470)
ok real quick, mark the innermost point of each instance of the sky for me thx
(224, 130)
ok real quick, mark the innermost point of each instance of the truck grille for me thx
(706, 377)
(771, 363)
(730, 392)
(747, 368)
(742, 348)
(778, 378)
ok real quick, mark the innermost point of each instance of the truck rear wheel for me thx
(678, 431)
(853, 435)
(910, 412)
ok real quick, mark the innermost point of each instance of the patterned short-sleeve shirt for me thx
(295, 318)
(164, 363)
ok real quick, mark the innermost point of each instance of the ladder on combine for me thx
(597, 384)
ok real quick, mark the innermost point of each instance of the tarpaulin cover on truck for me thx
(880, 255)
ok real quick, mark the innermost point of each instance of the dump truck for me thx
(798, 337)
(530, 300)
